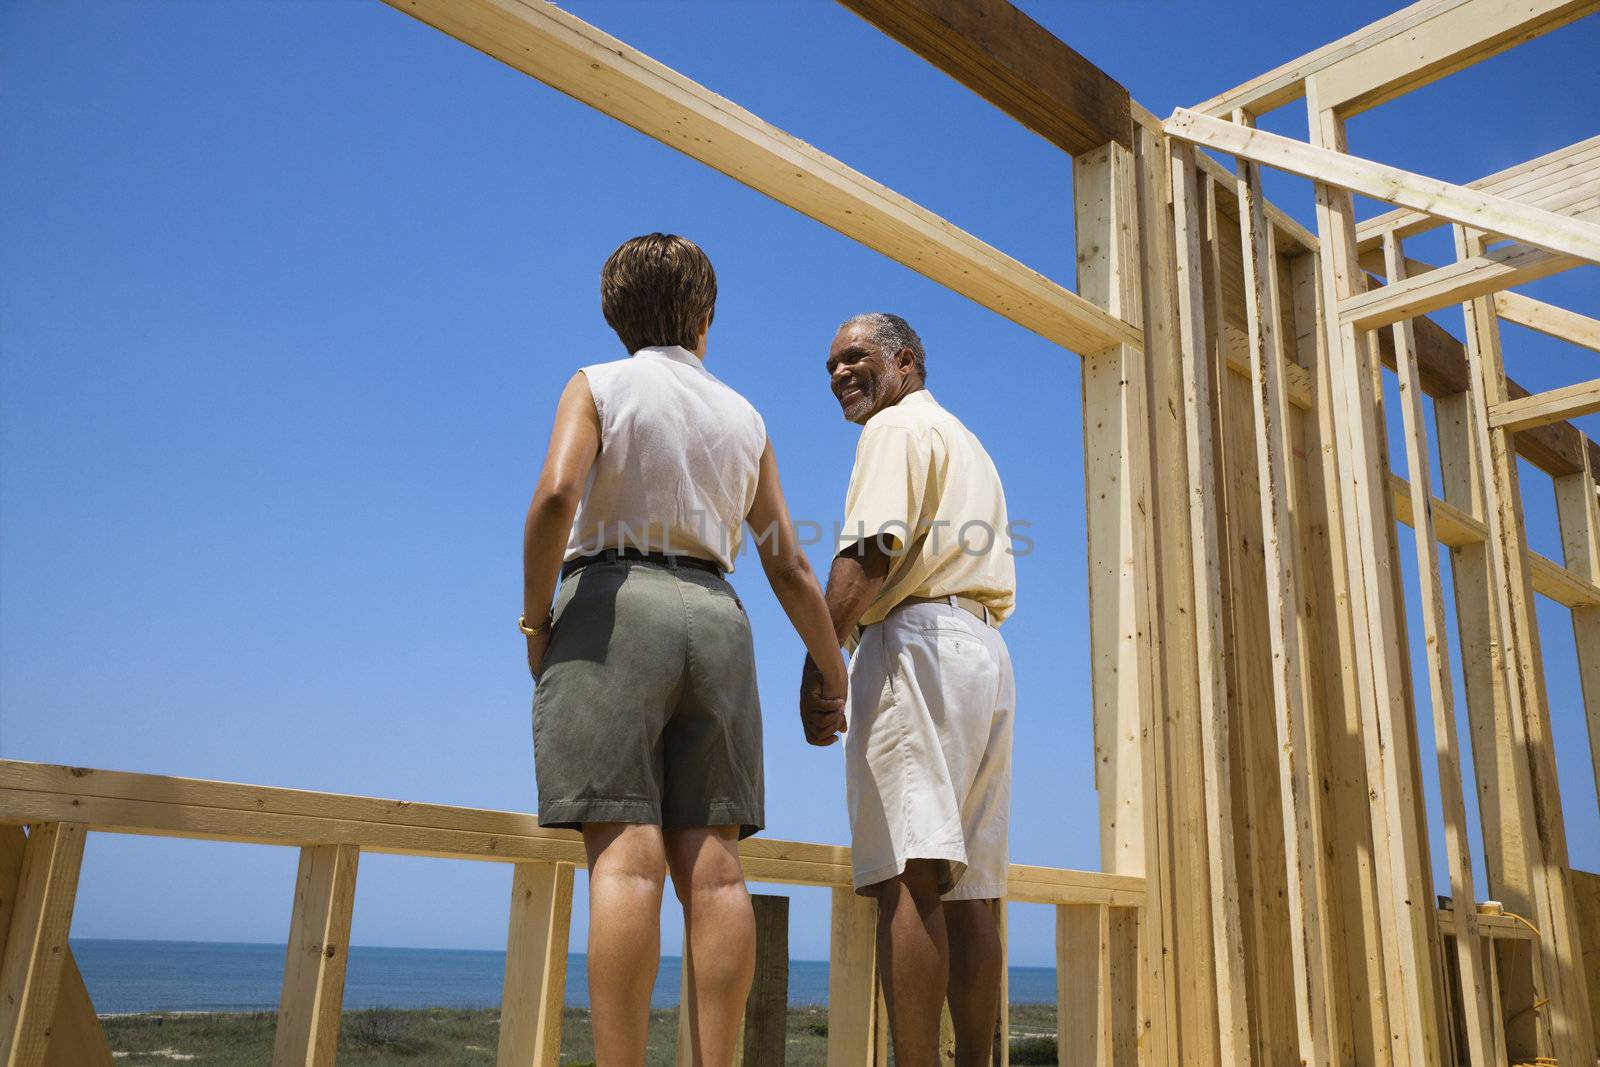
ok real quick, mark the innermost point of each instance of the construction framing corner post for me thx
(1267, 891)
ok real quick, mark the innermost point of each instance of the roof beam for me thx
(1401, 52)
(1014, 63)
(1469, 207)
(595, 68)
(1543, 182)
(1455, 37)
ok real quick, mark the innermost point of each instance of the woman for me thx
(647, 726)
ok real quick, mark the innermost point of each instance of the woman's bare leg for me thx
(627, 869)
(719, 932)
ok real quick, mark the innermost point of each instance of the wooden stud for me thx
(1096, 985)
(1578, 514)
(314, 965)
(76, 1037)
(1457, 203)
(36, 949)
(1199, 366)
(1104, 220)
(536, 965)
(1260, 856)
(685, 1008)
(857, 1027)
(1353, 913)
(1175, 727)
(1586, 892)
(1405, 892)
(766, 1012)
(1481, 1049)
(1120, 935)
(1126, 669)
(1302, 821)
(1513, 599)
(1002, 1031)
(1082, 1020)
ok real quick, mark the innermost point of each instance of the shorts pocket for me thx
(564, 595)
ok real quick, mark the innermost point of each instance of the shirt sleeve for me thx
(887, 486)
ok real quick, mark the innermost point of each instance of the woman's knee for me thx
(630, 852)
(704, 863)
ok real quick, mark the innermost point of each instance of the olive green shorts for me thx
(646, 708)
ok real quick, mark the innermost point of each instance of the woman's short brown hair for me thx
(658, 290)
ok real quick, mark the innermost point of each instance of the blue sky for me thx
(288, 291)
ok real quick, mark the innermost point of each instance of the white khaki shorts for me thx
(928, 750)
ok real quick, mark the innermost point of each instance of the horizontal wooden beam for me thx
(1541, 409)
(1457, 203)
(1285, 84)
(1405, 50)
(1453, 284)
(1455, 37)
(1500, 927)
(1456, 529)
(156, 805)
(1014, 63)
(568, 54)
(1542, 182)
(1549, 320)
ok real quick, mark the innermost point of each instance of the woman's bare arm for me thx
(574, 445)
(791, 577)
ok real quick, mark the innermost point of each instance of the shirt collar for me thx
(676, 353)
(920, 398)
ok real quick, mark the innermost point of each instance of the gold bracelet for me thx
(522, 624)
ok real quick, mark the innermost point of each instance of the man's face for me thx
(865, 378)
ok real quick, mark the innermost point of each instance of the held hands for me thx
(821, 707)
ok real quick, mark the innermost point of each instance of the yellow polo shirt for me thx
(922, 478)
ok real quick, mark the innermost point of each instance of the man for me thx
(922, 582)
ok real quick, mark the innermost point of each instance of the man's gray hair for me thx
(891, 333)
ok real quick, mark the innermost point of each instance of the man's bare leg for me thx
(719, 925)
(627, 870)
(975, 962)
(914, 959)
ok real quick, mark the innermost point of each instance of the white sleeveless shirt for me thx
(680, 455)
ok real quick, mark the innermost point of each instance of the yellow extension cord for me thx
(1537, 1061)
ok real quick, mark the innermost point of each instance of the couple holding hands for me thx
(646, 718)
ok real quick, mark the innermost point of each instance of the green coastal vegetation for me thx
(466, 1037)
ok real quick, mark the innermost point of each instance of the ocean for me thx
(139, 976)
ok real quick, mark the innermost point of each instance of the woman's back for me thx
(679, 461)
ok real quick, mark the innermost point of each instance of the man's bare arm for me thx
(857, 575)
